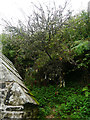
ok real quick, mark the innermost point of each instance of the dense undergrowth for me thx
(72, 101)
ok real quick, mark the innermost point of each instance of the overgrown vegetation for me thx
(53, 47)
(68, 102)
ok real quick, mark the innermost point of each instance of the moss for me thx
(32, 96)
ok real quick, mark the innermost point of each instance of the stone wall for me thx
(15, 99)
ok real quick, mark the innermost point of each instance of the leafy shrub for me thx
(77, 106)
(81, 53)
(68, 102)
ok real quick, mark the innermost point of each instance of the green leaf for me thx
(86, 93)
(85, 88)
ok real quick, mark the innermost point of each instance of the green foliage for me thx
(86, 90)
(75, 105)
(81, 53)
(77, 28)
(81, 46)
(14, 48)
(67, 102)
(8, 47)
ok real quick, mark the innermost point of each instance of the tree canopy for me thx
(49, 43)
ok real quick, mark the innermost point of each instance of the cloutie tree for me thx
(39, 42)
(51, 39)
